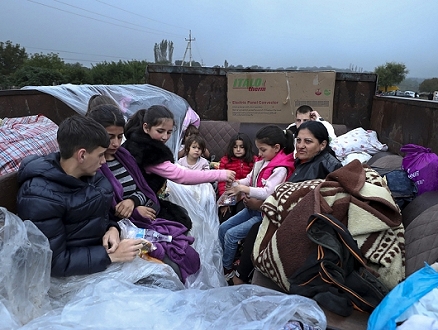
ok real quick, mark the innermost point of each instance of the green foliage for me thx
(33, 76)
(47, 61)
(11, 57)
(76, 74)
(118, 73)
(429, 85)
(391, 74)
(194, 63)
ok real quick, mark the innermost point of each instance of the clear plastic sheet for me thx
(141, 294)
(129, 97)
(113, 304)
(25, 259)
(200, 202)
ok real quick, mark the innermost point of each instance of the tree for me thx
(163, 52)
(118, 73)
(12, 57)
(48, 61)
(429, 85)
(76, 74)
(33, 76)
(391, 74)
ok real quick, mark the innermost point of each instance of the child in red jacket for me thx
(239, 158)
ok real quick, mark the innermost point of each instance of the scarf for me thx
(179, 249)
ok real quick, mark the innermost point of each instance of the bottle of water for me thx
(153, 236)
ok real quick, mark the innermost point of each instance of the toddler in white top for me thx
(194, 148)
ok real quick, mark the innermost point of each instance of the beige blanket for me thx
(358, 197)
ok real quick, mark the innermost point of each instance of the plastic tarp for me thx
(140, 294)
(129, 97)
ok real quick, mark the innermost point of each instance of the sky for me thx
(271, 34)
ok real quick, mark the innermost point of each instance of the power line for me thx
(116, 19)
(130, 12)
(92, 18)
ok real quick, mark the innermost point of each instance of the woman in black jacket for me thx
(314, 160)
(314, 157)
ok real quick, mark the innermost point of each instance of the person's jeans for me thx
(235, 229)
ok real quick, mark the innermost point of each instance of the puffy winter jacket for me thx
(71, 212)
(237, 165)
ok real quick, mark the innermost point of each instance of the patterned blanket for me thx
(354, 194)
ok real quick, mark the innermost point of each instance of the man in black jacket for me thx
(68, 200)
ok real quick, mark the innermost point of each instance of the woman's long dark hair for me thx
(107, 115)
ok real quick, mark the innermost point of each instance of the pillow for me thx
(357, 140)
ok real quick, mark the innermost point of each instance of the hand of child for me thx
(146, 212)
(252, 203)
(124, 208)
(231, 175)
(223, 210)
(234, 189)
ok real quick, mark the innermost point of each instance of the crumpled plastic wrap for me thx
(200, 202)
(129, 97)
(141, 294)
(25, 259)
(113, 304)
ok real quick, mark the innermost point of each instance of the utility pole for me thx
(189, 48)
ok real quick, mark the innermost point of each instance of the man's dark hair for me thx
(304, 109)
(79, 132)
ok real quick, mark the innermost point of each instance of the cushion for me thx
(421, 239)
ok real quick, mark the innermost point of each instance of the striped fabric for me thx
(23, 136)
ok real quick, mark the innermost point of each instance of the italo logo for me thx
(252, 85)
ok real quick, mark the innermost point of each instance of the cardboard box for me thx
(273, 97)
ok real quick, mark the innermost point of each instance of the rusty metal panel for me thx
(205, 89)
(399, 121)
(353, 99)
(20, 103)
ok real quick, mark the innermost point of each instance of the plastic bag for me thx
(226, 200)
(129, 230)
(402, 297)
(421, 164)
(25, 261)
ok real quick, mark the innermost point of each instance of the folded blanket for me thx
(355, 195)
